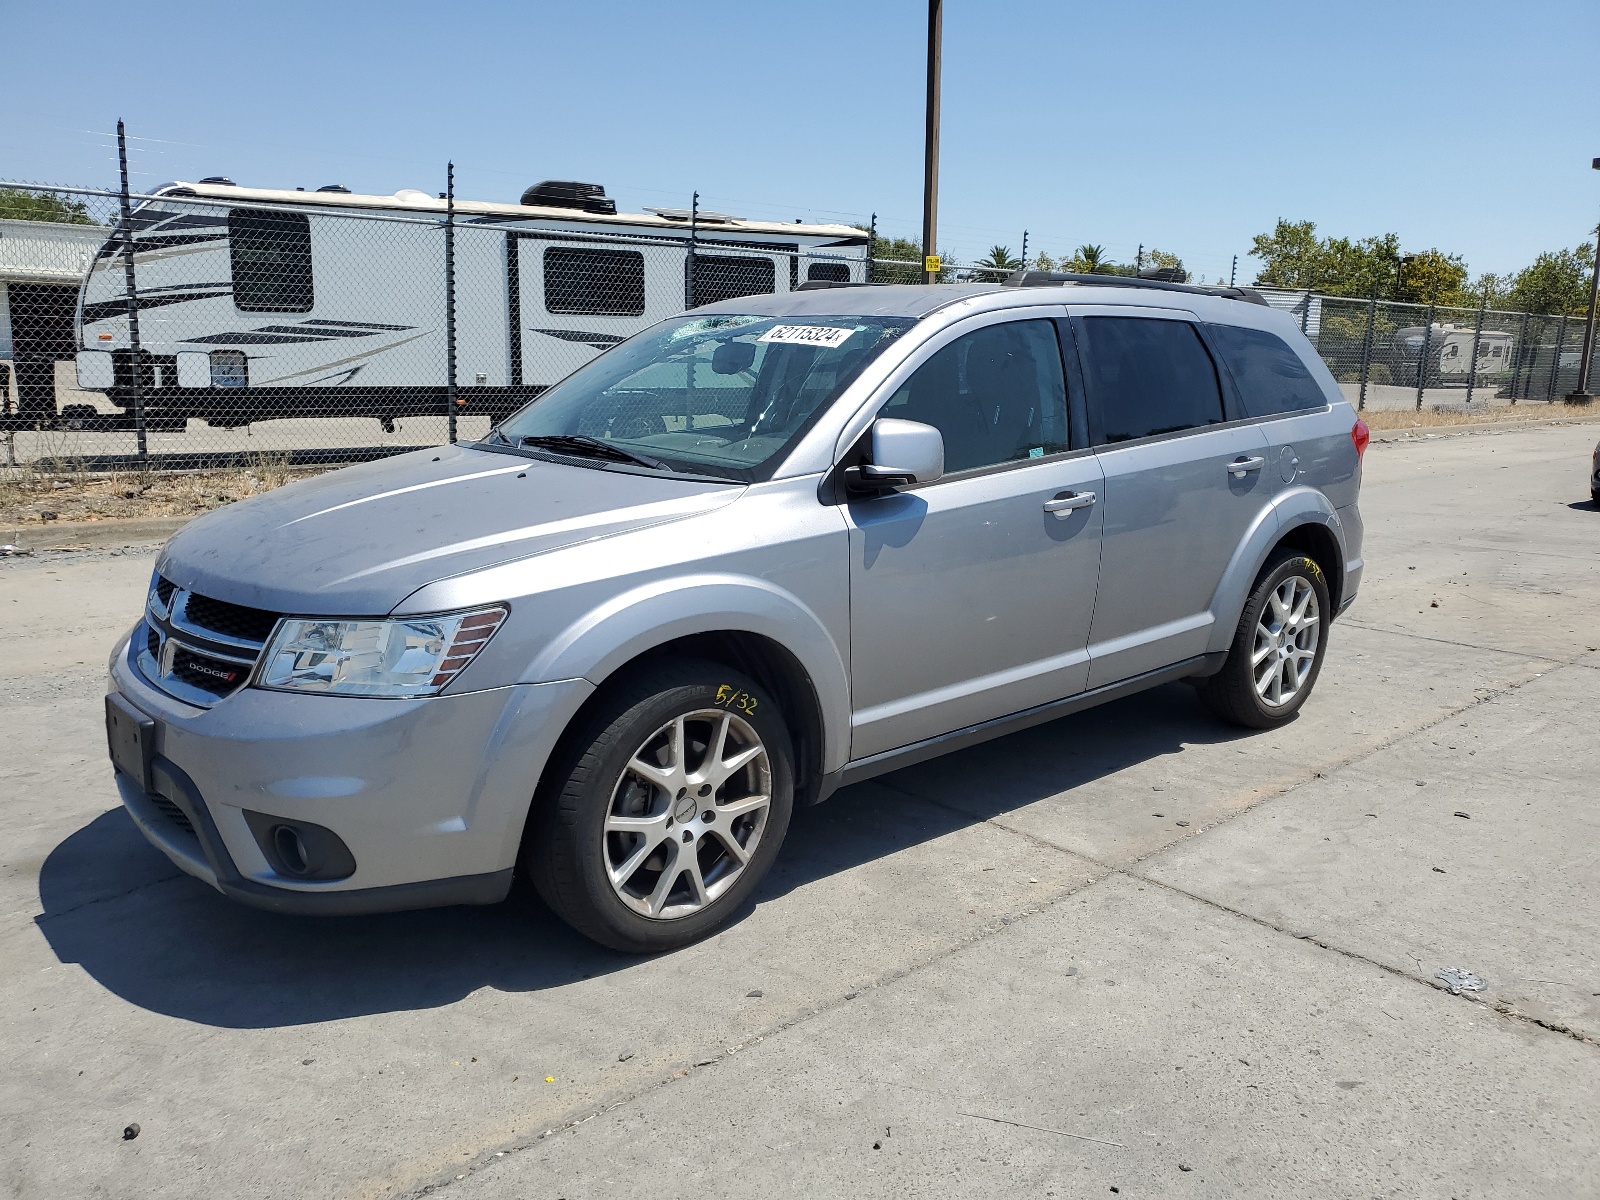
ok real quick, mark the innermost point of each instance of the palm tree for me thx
(1090, 260)
(999, 259)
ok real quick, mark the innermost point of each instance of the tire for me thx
(627, 793)
(1248, 695)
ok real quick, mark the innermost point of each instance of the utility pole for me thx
(930, 163)
(1581, 394)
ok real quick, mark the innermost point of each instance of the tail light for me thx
(1360, 435)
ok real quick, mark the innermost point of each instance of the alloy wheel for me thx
(1287, 635)
(686, 814)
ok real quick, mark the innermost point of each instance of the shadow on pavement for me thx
(170, 944)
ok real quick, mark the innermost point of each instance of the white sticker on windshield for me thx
(807, 335)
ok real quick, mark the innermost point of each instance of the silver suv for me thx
(760, 551)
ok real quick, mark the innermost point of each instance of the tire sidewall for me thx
(1284, 568)
(589, 799)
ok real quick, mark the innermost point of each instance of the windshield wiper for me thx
(589, 447)
(496, 434)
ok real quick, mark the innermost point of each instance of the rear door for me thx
(1276, 386)
(1182, 486)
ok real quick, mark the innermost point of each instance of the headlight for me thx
(407, 656)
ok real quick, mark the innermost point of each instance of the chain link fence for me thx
(187, 329)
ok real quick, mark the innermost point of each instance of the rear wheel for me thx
(668, 808)
(1278, 647)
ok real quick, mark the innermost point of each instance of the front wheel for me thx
(667, 809)
(1278, 647)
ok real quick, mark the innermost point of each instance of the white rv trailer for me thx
(254, 303)
(1450, 352)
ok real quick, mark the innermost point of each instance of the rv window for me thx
(831, 272)
(726, 277)
(271, 255)
(609, 282)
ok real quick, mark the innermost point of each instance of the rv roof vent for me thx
(413, 196)
(335, 187)
(566, 193)
(219, 180)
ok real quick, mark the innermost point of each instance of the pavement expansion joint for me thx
(1501, 1008)
(1423, 637)
(138, 887)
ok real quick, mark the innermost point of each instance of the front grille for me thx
(209, 674)
(230, 620)
(171, 812)
(198, 648)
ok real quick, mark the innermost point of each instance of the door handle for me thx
(1062, 505)
(1239, 466)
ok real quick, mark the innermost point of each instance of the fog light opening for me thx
(291, 850)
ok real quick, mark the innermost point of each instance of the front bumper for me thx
(430, 796)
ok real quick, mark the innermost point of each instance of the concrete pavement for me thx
(1082, 958)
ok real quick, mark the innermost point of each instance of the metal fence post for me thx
(1305, 313)
(1422, 357)
(450, 296)
(1477, 336)
(1521, 353)
(1555, 359)
(1233, 271)
(132, 294)
(1366, 347)
(872, 246)
(688, 275)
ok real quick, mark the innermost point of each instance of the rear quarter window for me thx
(1270, 375)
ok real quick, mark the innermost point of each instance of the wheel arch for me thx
(750, 625)
(1301, 519)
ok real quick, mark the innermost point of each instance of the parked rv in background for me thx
(1449, 353)
(255, 303)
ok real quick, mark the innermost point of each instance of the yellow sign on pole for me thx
(930, 264)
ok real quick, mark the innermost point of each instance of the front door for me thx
(1182, 488)
(970, 598)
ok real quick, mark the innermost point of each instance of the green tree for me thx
(1293, 256)
(1555, 283)
(1089, 260)
(1434, 278)
(19, 205)
(899, 260)
(1000, 259)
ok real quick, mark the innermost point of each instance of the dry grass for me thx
(34, 495)
(1432, 418)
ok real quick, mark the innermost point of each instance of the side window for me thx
(726, 277)
(1270, 375)
(601, 282)
(1147, 376)
(996, 394)
(270, 254)
(831, 272)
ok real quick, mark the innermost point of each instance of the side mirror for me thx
(901, 453)
(730, 358)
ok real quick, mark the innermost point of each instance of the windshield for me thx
(718, 395)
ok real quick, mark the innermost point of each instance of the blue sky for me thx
(1186, 126)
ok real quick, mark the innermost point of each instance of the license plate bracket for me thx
(130, 736)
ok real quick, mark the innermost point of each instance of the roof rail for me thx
(1055, 278)
(818, 285)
